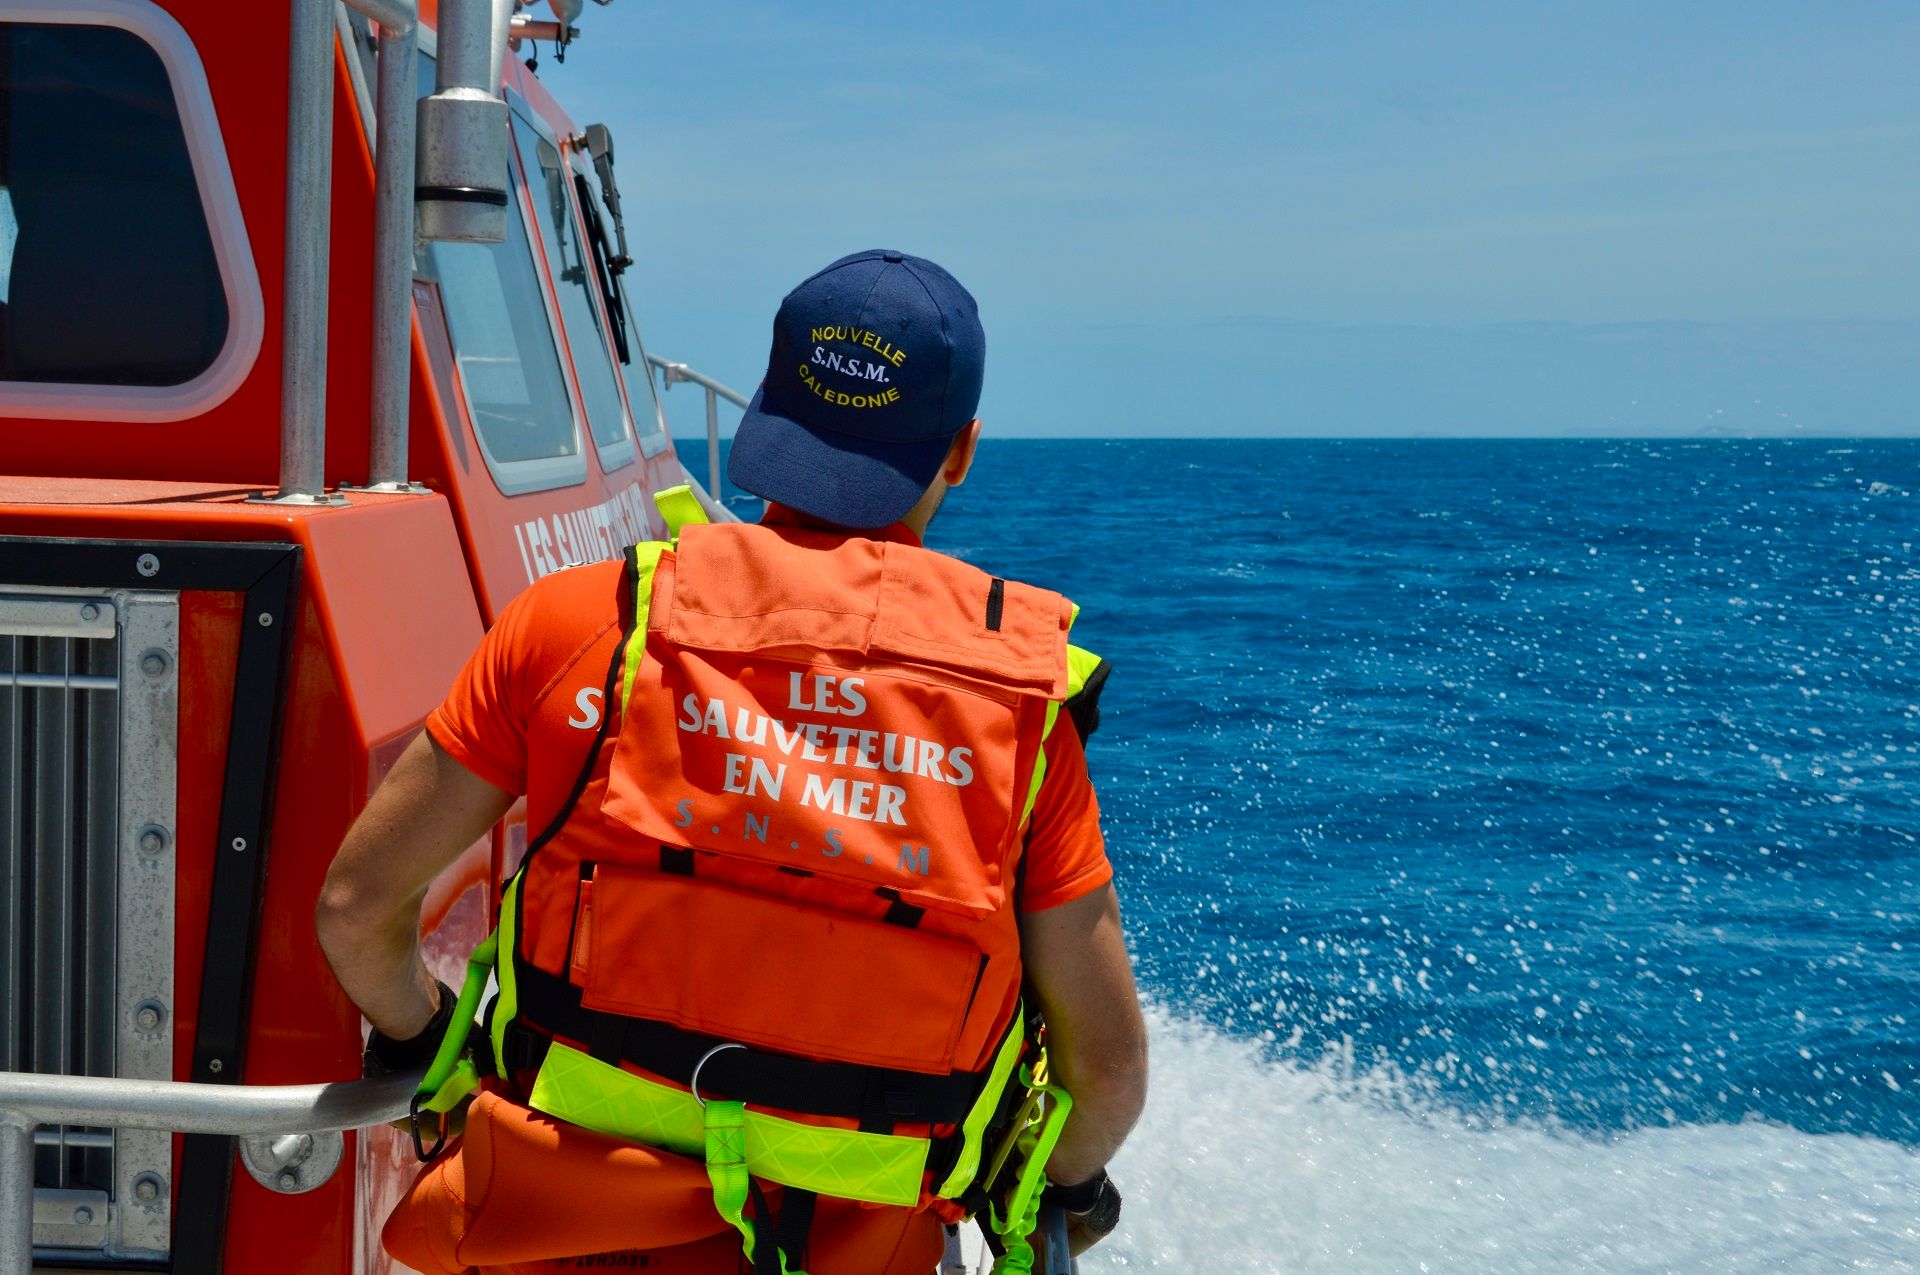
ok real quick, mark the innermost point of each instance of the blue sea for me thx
(1519, 842)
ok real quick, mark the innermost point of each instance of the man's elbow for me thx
(338, 917)
(1114, 1084)
(347, 915)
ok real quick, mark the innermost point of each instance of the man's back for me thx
(812, 811)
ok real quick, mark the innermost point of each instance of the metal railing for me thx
(251, 1111)
(672, 374)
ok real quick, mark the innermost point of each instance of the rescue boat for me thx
(316, 348)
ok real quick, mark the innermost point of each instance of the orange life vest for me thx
(787, 874)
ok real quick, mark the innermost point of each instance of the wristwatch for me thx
(1095, 1203)
(385, 1055)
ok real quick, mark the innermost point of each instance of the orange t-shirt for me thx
(524, 711)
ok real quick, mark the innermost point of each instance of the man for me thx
(813, 811)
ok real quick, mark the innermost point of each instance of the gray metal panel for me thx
(142, 843)
(88, 718)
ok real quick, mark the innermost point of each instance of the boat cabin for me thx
(317, 345)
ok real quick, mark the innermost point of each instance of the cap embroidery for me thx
(854, 366)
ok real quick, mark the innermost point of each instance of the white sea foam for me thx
(1246, 1164)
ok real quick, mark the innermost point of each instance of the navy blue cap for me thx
(876, 365)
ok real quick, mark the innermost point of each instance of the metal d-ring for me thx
(693, 1084)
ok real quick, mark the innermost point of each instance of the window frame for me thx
(613, 456)
(656, 439)
(545, 473)
(219, 204)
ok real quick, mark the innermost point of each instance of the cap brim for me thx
(838, 478)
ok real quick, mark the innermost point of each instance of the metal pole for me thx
(16, 1195)
(303, 359)
(113, 1102)
(714, 480)
(393, 258)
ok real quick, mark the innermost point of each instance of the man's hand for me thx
(1076, 959)
(428, 810)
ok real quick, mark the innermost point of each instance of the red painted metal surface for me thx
(394, 595)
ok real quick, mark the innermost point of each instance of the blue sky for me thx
(1285, 219)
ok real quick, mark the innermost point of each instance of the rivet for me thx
(153, 839)
(266, 619)
(147, 565)
(148, 1015)
(239, 843)
(90, 612)
(146, 1188)
(215, 1066)
(288, 1181)
(154, 663)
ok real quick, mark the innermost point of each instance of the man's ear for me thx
(960, 454)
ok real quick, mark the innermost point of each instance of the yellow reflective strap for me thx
(646, 558)
(974, 1128)
(1039, 769)
(880, 1168)
(681, 508)
(1080, 665)
(507, 1004)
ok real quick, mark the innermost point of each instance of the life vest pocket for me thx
(772, 972)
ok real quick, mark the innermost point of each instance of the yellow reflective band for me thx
(507, 1004)
(646, 558)
(681, 508)
(880, 1168)
(1080, 665)
(973, 1129)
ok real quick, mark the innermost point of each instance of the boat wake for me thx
(1243, 1163)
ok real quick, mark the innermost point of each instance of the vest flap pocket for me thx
(775, 973)
(939, 611)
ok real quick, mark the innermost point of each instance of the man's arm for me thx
(1076, 959)
(428, 810)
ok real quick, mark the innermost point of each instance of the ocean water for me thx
(1519, 842)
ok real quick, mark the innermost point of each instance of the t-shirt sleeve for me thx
(1066, 854)
(483, 721)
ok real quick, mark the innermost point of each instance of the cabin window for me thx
(550, 182)
(108, 269)
(504, 351)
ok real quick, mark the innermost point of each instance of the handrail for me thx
(28, 1101)
(673, 373)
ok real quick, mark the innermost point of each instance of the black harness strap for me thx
(876, 1096)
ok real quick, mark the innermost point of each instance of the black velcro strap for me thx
(996, 603)
(853, 1091)
(676, 860)
(899, 911)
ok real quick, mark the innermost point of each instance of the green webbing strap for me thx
(726, 1129)
(453, 1076)
(681, 508)
(1022, 1210)
(726, 1126)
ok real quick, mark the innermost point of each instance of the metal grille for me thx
(72, 923)
(59, 749)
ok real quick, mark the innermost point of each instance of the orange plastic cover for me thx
(816, 975)
(865, 711)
